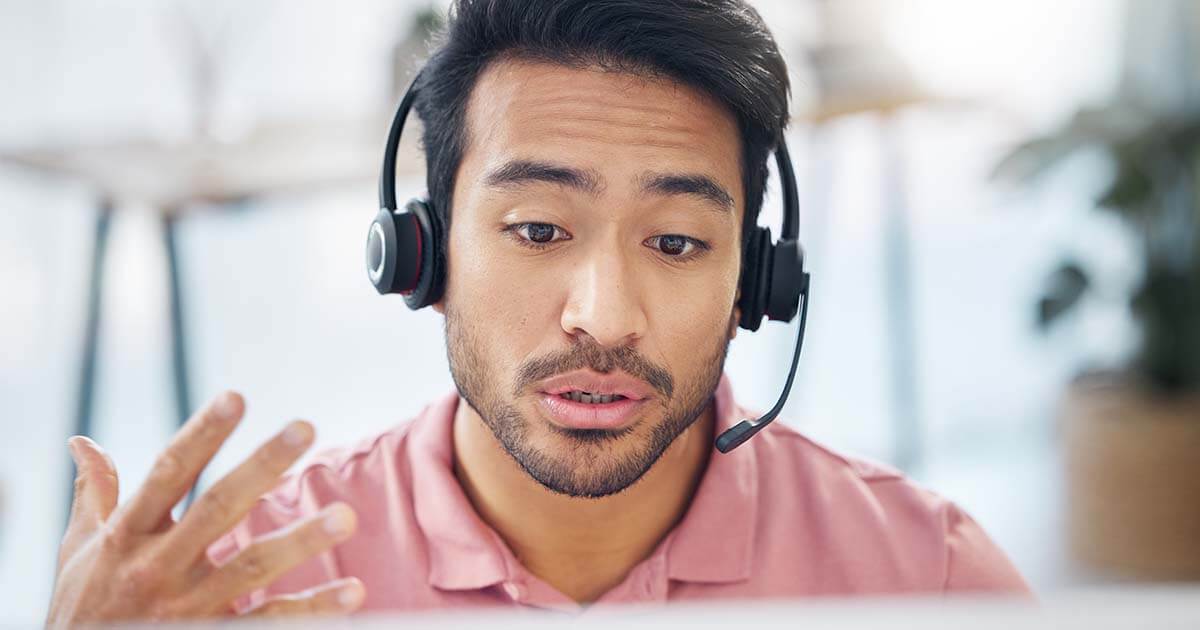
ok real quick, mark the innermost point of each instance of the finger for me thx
(337, 597)
(176, 469)
(96, 492)
(96, 484)
(271, 556)
(228, 500)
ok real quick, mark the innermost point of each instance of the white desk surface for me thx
(1124, 608)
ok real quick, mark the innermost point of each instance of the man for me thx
(598, 164)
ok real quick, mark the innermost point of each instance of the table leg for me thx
(898, 292)
(179, 362)
(91, 332)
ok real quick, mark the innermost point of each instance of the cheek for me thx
(692, 317)
(507, 306)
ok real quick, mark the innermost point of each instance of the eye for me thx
(676, 245)
(538, 234)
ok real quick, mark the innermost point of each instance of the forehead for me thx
(589, 116)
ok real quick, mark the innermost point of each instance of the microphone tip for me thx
(734, 436)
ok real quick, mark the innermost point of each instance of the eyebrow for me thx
(520, 172)
(702, 186)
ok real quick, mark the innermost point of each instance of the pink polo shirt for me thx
(781, 516)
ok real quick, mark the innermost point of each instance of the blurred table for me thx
(174, 178)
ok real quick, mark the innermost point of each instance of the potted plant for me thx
(1132, 434)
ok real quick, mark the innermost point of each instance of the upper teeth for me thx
(589, 398)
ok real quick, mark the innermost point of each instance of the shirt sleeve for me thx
(974, 564)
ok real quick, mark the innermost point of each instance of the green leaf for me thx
(1131, 186)
(1104, 127)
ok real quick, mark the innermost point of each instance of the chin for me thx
(586, 463)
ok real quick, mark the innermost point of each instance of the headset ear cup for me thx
(428, 286)
(755, 282)
(437, 254)
(787, 280)
(391, 242)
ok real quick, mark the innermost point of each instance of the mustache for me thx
(589, 354)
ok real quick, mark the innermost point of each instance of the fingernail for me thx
(73, 447)
(227, 406)
(350, 596)
(337, 522)
(295, 435)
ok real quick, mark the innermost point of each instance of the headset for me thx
(404, 256)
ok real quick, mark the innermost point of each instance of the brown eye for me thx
(537, 232)
(676, 246)
(673, 244)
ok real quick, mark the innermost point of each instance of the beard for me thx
(585, 463)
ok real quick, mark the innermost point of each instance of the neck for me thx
(582, 547)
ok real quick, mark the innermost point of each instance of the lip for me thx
(612, 415)
(588, 381)
(572, 415)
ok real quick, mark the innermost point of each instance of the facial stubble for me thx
(591, 465)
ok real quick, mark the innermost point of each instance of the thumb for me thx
(96, 486)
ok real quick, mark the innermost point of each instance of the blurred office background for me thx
(185, 188)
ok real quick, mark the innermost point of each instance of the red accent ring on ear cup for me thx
(427, 288)
(417, 267)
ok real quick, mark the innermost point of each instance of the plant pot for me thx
(1133, 480)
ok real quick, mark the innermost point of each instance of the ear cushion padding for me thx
(755, 282)
(428, 288)
(787, 280)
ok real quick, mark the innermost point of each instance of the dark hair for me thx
(720, 47)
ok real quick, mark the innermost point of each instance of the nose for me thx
(603, 300)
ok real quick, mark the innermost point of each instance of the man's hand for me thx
(136, 562)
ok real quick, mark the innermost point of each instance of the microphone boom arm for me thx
(733, 437)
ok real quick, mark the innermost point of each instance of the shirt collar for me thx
(712, 543)
(464, 552)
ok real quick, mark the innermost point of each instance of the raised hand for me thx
(134, 562)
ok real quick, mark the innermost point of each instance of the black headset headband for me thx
(403, 256)
(387, 177)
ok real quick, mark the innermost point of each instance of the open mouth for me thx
(589, 398)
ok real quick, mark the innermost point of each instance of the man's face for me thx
(594, 247)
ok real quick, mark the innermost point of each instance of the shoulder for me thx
(872, 510)
(375, 478)
(354, 474)
(339, 473)
(372, 476)
(851, 494)
(358, 474)
(785, 453)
